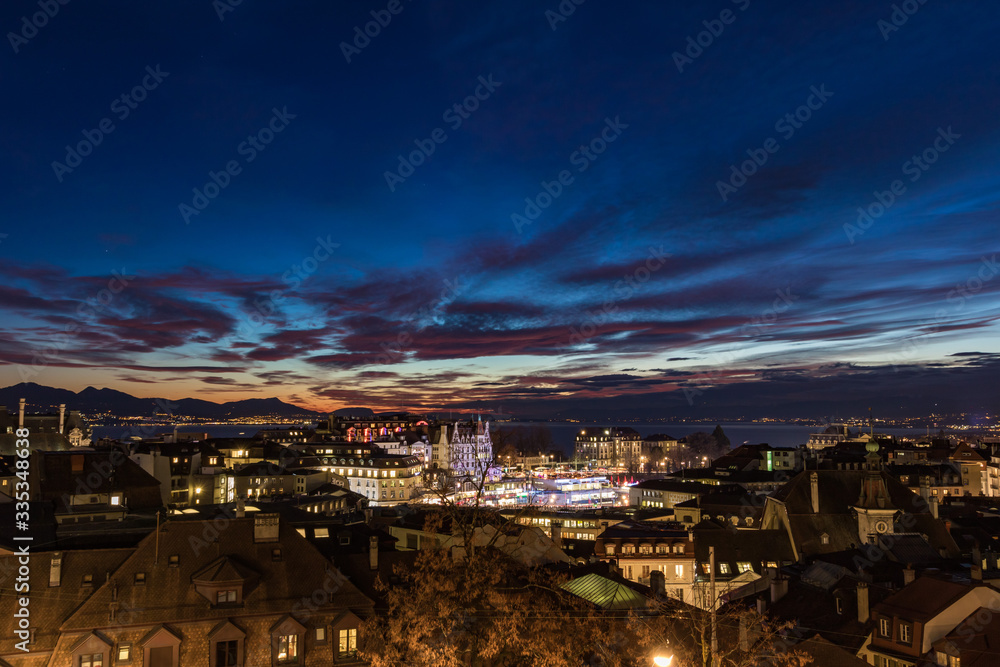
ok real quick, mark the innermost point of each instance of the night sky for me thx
(501, 206)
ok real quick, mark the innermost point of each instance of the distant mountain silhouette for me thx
(92, 400)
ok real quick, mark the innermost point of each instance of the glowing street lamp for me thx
(663, 660)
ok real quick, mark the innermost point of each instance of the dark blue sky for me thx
(651, 277)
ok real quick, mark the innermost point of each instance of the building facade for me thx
(611, 447)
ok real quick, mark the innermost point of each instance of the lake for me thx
(563, 433)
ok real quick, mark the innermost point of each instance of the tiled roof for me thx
(923, 599)
(826, 654)
(839, 491)
(753, 546)
(168, 595)
(50, 606)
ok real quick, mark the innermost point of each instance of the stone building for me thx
(252, 593)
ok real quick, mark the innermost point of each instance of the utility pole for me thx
(715, 638)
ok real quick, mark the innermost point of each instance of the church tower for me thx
(874, 508)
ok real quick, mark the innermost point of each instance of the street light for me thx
(663, 660)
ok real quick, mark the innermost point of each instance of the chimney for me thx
(761, 605)
(934, 506)
(62, 418)
(925, 487)
(909, 574)
(814, 489)
(373, 552)
(240, 508)
(863, 610)
(55, 569)
(779, 588)
(657, 581)
(557, 533)
(265, 527)
(744, 635)
(20, 414)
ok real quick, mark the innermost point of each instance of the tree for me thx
(505, 444)
(483, 594)
(701, 444)
(721, 440)
(478, 596)
(744, 637)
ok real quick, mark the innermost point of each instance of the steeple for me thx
(874, 461)
(873, 492)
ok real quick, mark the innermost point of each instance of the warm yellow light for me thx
(663, 661)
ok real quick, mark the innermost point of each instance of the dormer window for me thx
(287, 637)
(227, 596)
(225, 582)
(139, 579)
(288, 649)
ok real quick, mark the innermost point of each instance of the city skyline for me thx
(554, 208)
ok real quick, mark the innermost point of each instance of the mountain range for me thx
(94, 401)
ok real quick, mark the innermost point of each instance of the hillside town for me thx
(185, 549)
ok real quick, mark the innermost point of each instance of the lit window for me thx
(348, 641)
(884, 627)
(225, 596)
(905, 633)
(125, 652)
(320, 635)
(288, 648)
(678, 571)
(92, 660)
(723, 568)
